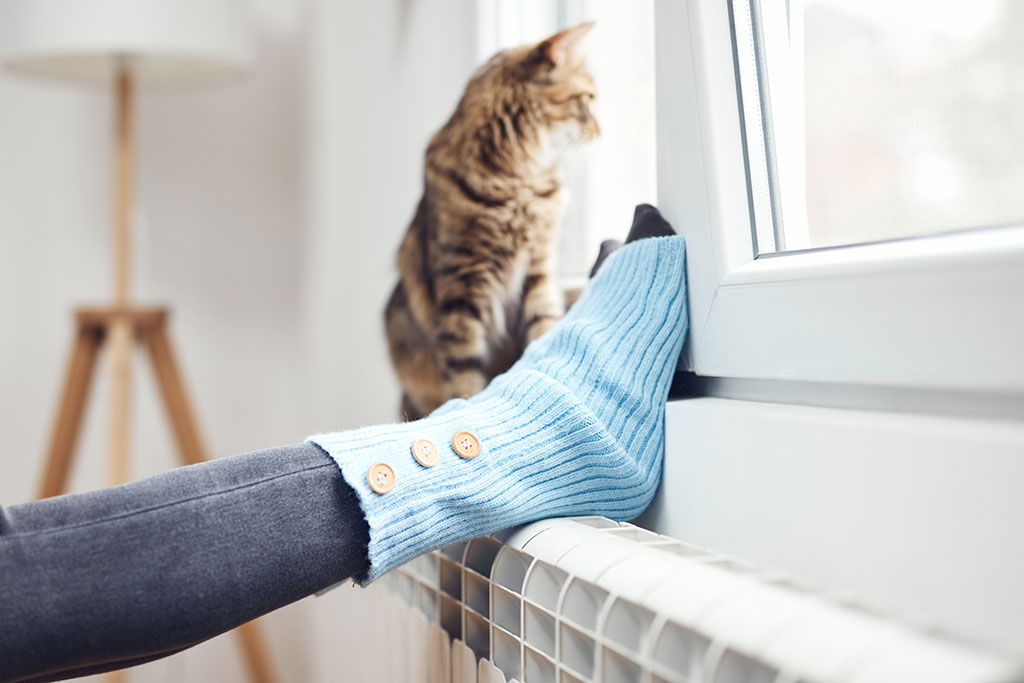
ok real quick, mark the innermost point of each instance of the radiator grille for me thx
(586, 599)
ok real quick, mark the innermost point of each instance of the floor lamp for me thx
(126, 45)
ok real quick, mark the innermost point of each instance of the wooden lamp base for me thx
(124, 327)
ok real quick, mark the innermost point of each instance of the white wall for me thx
(269, 215)
(916, 514)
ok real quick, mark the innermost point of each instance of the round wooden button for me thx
(381, 477)
(466, 444)
(425, 452)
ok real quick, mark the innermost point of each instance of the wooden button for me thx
(425, 452)
(466, 444)
(381, 477)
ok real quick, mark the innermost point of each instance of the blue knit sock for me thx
(576, 427)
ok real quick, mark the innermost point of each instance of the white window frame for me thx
(939, 312)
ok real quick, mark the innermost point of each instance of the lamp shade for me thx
(163, 42)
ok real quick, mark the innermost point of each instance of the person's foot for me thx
(647, 222)
(576, 427)
(607, 248)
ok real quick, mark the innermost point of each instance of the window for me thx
(860, 408)
(608, 177)
(870, 120)
(909, 313)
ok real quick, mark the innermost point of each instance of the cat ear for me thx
(556, 49)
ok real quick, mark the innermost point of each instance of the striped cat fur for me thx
(476, 280)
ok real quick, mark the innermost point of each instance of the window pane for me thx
(893, 118)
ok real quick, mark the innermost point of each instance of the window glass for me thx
(888, 118)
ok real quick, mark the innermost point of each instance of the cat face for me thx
(554, 76)
(542, 90)
(562, 85)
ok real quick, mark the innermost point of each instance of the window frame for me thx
(934, 312)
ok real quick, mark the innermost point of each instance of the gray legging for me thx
(98, 581)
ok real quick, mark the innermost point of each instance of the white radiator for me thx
(586, 599)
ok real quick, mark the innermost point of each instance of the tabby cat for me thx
(476, 265)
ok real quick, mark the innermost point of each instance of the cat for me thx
(476, 279)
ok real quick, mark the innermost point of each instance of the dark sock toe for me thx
(607, 247)
(648, 222)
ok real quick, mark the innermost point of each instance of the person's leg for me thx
(576, 427)
(136, 572)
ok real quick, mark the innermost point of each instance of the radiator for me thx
(586, 599)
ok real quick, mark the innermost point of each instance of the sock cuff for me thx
(542, 454)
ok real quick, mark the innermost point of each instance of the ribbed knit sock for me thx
(576, 427)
